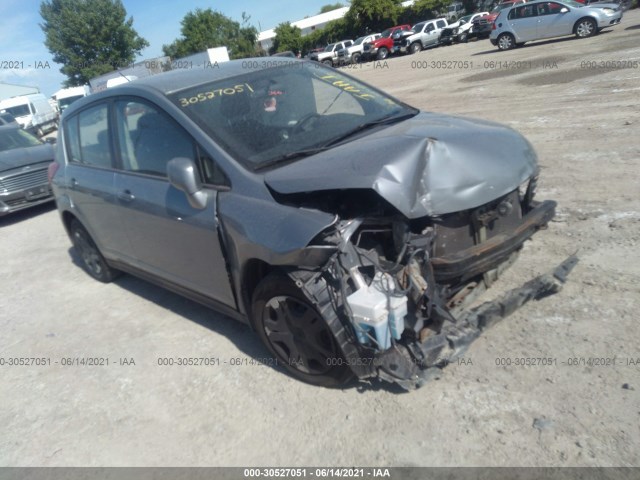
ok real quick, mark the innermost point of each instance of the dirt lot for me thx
(584, 122)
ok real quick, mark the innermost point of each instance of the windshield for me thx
(386, 33)
(18, 110)
(465, 19)
(573, 4)
(65, 102)
(12, 138)
(359, 40)
(329, 48)
(262, 116)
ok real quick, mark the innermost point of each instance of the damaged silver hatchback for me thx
(349, 229)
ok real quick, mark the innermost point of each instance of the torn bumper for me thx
(412, 365)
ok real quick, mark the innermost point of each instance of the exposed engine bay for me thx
(396, 292)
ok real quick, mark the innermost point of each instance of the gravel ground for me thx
(583, 121)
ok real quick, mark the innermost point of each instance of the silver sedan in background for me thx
(538, 20)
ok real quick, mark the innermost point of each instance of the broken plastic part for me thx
(412, 366)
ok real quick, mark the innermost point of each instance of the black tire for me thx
(383, 53)
(328, 63)
(355, 58)
(463, 38)
(506, 41)
(415, 47)
(296, 334)
(39, 132)
(585, 27)
(92, 260)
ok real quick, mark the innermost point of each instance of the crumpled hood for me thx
(20, 157)
(431, 164)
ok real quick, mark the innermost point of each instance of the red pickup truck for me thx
(383, 46)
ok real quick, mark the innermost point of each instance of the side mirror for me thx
(183, 175)
(564, 10)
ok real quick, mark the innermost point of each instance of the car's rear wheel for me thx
(92, 260)
(506, 41)
(415, 47)
(355, 58)
(585, 27)
(383, 53)
(296, 334)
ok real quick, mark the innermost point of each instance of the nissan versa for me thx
(349, 229)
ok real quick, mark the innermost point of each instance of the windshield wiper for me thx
(307, 152)
(387, 120)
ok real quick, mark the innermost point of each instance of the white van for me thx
(32, 112)
(67, 96)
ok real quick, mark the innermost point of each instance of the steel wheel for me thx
(415, 47)
(506, 41)
(92, 260)
(383, 53)
(296, 333)
(586, 27)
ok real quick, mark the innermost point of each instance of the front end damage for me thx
(396, 292)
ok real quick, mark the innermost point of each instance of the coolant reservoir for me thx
(378, 313)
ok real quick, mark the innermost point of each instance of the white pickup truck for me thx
(329, 56)
(353, 53)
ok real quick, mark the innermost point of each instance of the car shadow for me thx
(242, 336)
(538, 43)
(633, 27)
(26, 214)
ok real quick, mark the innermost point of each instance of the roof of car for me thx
(180, 79)
(175, 80)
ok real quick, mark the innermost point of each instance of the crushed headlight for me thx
(608, 11)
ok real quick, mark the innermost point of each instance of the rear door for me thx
(524, 22)
(172, 240)
(89, 178)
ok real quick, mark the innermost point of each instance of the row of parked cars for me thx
(508, 24)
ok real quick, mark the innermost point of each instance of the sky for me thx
(158, 21)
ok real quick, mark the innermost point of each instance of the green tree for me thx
(203, 29)
(288, 37)
(331, 6)
(373, 15)
(89, 37)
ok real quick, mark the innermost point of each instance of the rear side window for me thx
(441, 24)
(523, 11)
(87, 137)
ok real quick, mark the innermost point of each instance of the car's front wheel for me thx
(463, 38)
(92, 260)
(355, 58)
(506, 41)
(383, 53)
(328, 63)
(296, 333)
(585, 27)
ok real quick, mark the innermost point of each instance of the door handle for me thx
(126, 196)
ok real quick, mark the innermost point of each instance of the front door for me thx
(172, 240)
